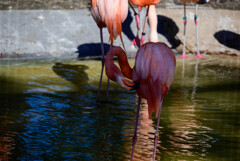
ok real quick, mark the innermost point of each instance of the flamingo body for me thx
(153, 70)
(150, 5)
(110, 14)
(143, 3)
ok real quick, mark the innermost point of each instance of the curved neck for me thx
(113, 72)
(126, 70)
(124, 65)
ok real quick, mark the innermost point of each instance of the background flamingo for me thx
(110, 14)
(150, 7)
(196, 22)
(153, 21)
(152, 76)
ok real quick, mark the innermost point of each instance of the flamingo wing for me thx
(98, 13)
(154, 71)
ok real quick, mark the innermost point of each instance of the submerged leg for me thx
(196, 22)
(184, 33)
(135, 132)
(144, 27)
(156, 134)
(103, 61)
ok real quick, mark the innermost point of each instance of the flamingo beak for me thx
(135, 86)
(126, 83)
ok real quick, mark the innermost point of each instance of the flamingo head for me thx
(118, 77)
(131, 85)
(114, 73)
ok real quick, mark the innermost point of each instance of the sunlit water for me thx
(48, 112)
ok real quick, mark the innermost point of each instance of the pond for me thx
(49, 112)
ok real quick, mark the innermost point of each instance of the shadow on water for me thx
(168, 28)
(73, 73)
(10, 85)
(228, 38)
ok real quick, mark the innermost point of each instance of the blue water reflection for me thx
(51, 114)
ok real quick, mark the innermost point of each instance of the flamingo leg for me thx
(144, 27)
(103, 61)
(136, 124)
(152, 18)
(136, 16)
(184, 33)
(136, 40)
(157, 134)
(196, 27)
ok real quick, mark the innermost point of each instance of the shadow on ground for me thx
(92, 50)
(228, 38)
(126, 27)
(73, 73)
(168, 28)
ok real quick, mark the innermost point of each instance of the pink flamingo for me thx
(150, 5)
(151, 76)
(110, 14)
(196, 22)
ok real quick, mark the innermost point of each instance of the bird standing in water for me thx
(110, 14)
(151, 76)
(151, 13)
(196, 22)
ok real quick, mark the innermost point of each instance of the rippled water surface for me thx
(48, 112)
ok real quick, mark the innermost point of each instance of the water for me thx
(48, 112)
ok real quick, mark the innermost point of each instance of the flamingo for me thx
(151, 76)
(153, 36)
(151, 13)
(110, 14)
(196, 22)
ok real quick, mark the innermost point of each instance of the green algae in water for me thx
(48, 112)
